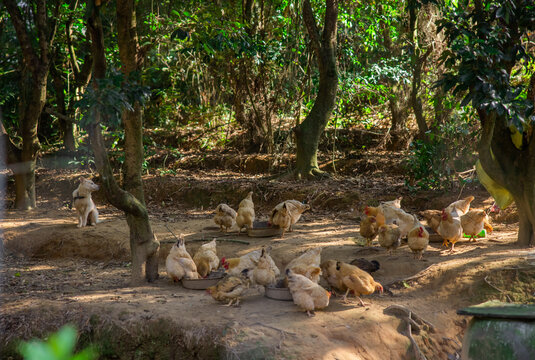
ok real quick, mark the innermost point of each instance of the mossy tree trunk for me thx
(309, 131)
(143, 245)
(36, 61)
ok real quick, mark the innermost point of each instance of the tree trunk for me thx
(308, 133)
(399, 110)
(511, 168)
(143, 245)
(33, 94)
(66, 127)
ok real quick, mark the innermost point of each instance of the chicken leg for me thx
(311, 313)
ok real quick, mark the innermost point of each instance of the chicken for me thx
(230, 288)
(307, 264)
(206, 258)
(371, 210)
(393, 203)
(263, 273)
(366, 265)
(368, 229)
(225, 216)
(432, 217)
(234, 266)
(450, 228)
(462, 206)
(389, 237)
(179, 263)
(307, 294)
(246, 215)
(357, 280)
(286, 214)
(330, 274)
(393, 215)
(473, 222)
(418, 239)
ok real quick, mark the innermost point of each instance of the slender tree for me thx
(36, 64)
(143, 245)
(309, 131)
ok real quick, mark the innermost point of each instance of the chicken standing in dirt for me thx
(461, 207)
(234, 266)
(179, 263)
(263, 273)
(246, 215)
(206, 258)
(389, 237)
(474, 221)
(286, 214)
(450, 228)
(432, 217)
(331, 275)
(307, 264)
(230, 288)
(368, 229)
(418, 239)
(225, 216)
(357, 280)
(307, 294)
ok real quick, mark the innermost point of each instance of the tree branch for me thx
(29, 55)
(312, 28)
(329, 28)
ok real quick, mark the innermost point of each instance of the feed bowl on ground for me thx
(201, 284)
(264, 232)
(276, 293)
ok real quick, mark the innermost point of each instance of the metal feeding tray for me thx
(278, 293)
(262, 229)
(202, 284)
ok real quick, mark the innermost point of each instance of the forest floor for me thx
(54, 272)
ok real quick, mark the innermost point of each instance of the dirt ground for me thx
(54, 273)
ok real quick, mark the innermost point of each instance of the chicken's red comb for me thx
(223, 260)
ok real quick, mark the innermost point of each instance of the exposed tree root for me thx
(414, 322)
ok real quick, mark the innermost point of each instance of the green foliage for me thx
(59, 346)
(488, 56)
(110, 97)
(450, 148)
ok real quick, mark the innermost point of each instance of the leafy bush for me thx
(448, 150)
(59, 346)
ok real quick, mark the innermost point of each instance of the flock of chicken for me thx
(302, 275)
(391, 223)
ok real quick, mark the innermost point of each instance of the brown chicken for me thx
(230, 288)
(307, 294)
(389, 237)
(286, 214)
(462, 206)
(330, 274)
(263, 273)
(206, 258)
(225, 216)
(368, 229)
(246, 215)
(450, 228)
(473, 222)
(179, 263)
(307, 264)
(418, 239)
(432, 217)
(357, 280)
(234, 266)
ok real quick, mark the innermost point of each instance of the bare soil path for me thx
(54, 273)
